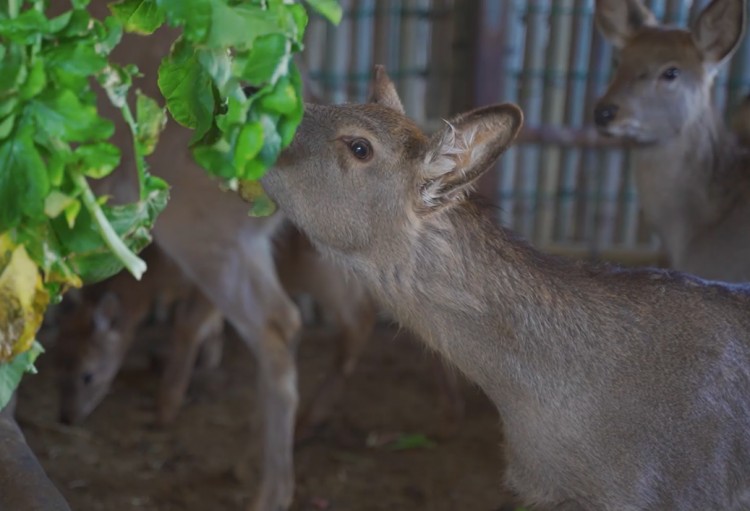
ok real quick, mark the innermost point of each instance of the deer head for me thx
(664, 77)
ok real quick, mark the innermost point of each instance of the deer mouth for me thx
(629, 130)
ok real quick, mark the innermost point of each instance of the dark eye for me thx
(671, 73)
(87, 378)
(361, 149)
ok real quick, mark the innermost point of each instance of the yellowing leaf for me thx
(23, 299)
(260, 203)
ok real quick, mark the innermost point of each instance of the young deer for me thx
(618, 390)
(229, 257)
(693, 177)
(97, 331)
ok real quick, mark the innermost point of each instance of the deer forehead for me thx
(654, 47)
(377, 123)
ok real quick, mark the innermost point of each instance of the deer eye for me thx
(670, 74)
(87, 378)
(360, 148)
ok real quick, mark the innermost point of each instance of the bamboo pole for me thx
(337, 50)
(558, 51)
(361, 64)
(575, 116)
(532, 96)
(513, 49)
(414, 56)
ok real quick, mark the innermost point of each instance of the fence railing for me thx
(562, 186)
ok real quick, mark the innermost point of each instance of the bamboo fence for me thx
(562, 187)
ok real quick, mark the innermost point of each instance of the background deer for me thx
(693, 177)
(618, 389)
(229, 257)
(97, 330)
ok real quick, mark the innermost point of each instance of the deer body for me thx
(692, 175)
(229, 257)
(618, 390)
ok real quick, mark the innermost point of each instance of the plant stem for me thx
(13, 8)
(134, 264)
(140, 162)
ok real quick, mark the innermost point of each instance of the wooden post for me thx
(488, 66)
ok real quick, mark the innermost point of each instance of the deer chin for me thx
(629, 130)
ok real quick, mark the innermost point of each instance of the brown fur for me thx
(618, 390)
(693, 177)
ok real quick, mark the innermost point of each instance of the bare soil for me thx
(118, 460)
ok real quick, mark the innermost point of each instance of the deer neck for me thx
(489, 303)
(687, 184)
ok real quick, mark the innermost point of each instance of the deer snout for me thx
(605, 114)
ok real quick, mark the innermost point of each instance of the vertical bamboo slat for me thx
(361, 59)
(415, 39)
(558, 51)
(575, 116)
(532, 97)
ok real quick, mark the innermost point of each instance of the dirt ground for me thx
(118, 460)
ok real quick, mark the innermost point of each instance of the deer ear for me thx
(383, 91)
(619, 20)
(106, 311)
(719, 29)
(464, 150)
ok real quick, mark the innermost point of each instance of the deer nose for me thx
(604, 114)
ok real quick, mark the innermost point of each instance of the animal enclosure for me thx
(562, 186)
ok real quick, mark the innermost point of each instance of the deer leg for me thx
(277, 387)
(212, 348)
(353, 333)
(23, 484)
(450, 396)
(193, 322)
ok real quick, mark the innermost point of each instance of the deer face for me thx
(664, 77)
(358, 177)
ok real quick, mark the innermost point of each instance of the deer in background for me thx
(229, 257)
(692, 175)
(97, 330)
(618, 389)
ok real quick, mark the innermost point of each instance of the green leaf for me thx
(151, 119)
(71, 63)
(261, 63)
(56, 202)
(61, 115)
(89, 255)
(23, 180)
(12, 68)
(25, 28)
(35, 81)
(330, 9)
(187, 88)
(282, 99)
(416, 441)
(97, 160)
(248, 145)
(6, 126)
(139, 16)
(11, 372)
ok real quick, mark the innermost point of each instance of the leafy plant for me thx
(53, 140)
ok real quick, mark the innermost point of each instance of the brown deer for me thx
(229, 257)
(740, 121)
(618, 389)
(693, 176)
(97, 330)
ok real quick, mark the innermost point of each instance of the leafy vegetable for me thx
(56, 233)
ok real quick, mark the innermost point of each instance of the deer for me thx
(618, 389)
(692, 173)
(207, 233)
(24, 486)
(740, 121)
(97, 330)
